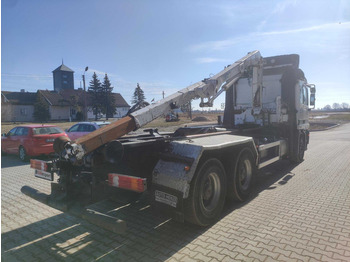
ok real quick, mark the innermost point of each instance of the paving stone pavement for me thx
(297, 213)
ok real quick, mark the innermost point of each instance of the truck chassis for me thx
(190, 173)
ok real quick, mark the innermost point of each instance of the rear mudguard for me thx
(176, 169)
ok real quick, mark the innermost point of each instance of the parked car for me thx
(83, 128)
(171, 117)
(30, 140)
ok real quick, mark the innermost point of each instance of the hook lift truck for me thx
(191, 172)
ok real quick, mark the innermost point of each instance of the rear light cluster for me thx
(136, 184)
(39, 165)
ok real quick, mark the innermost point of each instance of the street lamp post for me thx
(85, 109)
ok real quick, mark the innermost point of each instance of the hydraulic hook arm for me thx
(207, 90)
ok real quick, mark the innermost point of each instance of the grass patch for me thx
(159, 122)
(340, 117)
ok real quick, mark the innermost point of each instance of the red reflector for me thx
(38, 164)
(136, 184)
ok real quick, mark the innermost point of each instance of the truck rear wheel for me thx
(207, 194)
(240, 180)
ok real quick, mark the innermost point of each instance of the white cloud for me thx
(330, 26)
(205, 60)
(323, 30)
(282, 6)
(216, 45)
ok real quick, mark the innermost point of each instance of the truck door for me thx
(302, 105)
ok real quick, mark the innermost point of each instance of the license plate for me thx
(50, 140)
(43, 175)
(165, 198)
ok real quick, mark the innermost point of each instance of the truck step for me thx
(273, 152)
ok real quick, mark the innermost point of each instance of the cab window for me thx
(306, 96)
(303, 96)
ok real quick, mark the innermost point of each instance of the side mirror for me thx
(312, 95)
(312, 100)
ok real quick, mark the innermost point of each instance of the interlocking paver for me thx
(299, 213)
(201, 257)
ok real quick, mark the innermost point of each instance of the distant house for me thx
(64, 102)
(63, 105)
(60, 109)
(76, 98)
(122, 107)
(17, 106)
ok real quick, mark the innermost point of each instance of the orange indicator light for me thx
(136, 184)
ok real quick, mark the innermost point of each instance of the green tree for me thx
(96, 94)
(41, 109)
(77, 106)
(109, 100)
(139, 95)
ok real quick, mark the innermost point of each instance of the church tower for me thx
(63, 78)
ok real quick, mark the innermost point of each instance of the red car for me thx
(30, 140)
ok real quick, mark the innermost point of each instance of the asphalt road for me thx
(297, 213)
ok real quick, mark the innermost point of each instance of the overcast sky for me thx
(168, 45)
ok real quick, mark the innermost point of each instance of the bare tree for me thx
(327, 107)
(345, 105)
(336, 106)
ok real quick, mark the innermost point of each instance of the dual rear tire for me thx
(242, 176)
(207, 193)
(212, 184)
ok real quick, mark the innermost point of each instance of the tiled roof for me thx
(63, 68)
(119, 100)
(79, 94)
(54, 98)
(20, 98)
(63, 98)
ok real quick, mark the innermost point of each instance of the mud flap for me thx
(168, 201)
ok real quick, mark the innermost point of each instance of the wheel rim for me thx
(245, 174)
(210, 192)
(22, 154)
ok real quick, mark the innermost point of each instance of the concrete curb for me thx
(330, 127)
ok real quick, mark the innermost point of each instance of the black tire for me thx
(22, 154)
(207, 194)
(298, 154)
(241, 177)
